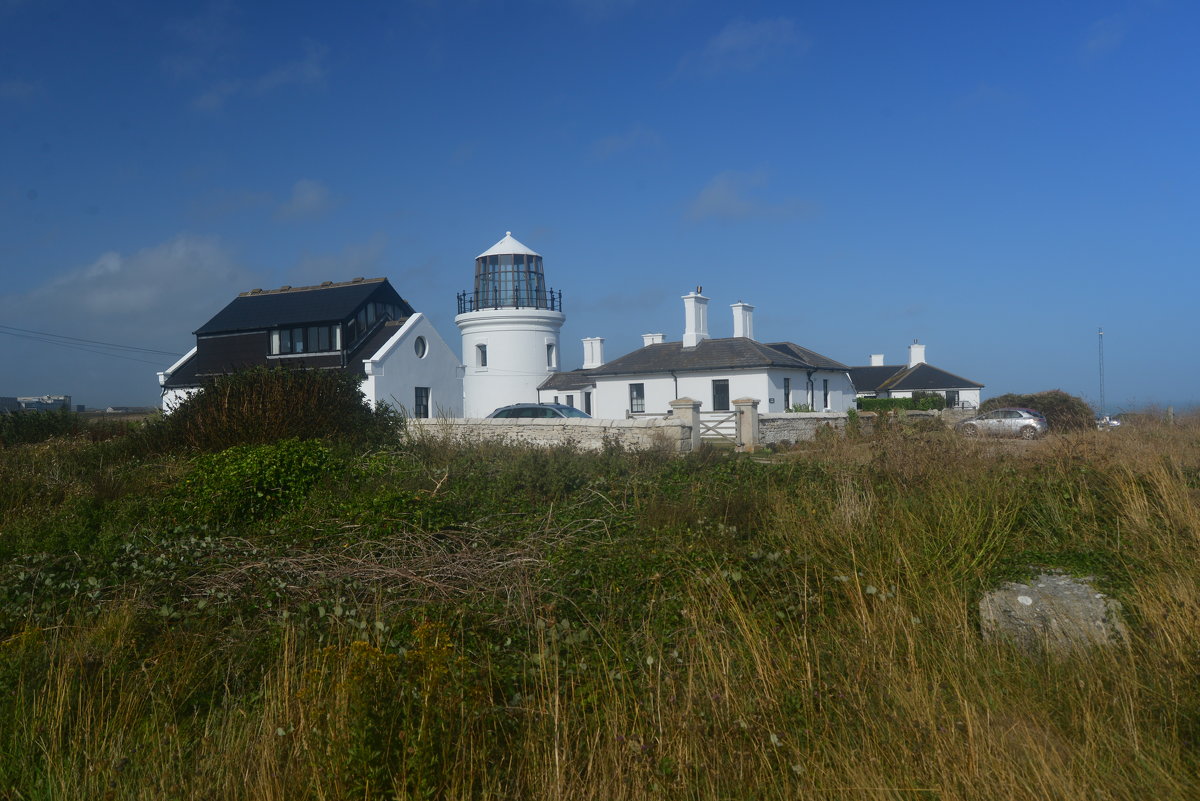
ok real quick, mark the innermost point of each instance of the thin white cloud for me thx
(742, 46)
(636, 138)
(135, 297)
(357, 259)
(308, 71)
(1103, 36)
(203, 42)
(17, 89)
(732, 195)
(309, 199)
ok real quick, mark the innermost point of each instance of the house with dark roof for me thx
(879, 380)
(362, 326)
(780, 375)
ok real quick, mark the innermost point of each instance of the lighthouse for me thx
(510, 326)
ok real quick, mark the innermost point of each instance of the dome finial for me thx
(508, 233)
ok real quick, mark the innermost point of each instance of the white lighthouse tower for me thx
(510, 324)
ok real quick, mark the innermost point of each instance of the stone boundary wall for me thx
(775, 429)
(635, 434)
(784, 427)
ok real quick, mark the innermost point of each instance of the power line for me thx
(97, 349)
(4, 329)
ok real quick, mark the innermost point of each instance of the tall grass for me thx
(441, 620)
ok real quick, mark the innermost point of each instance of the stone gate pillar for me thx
(688, 412)
(747, 423)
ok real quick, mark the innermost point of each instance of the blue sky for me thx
(996, 180)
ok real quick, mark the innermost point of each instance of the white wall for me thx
(395, 371)
(612, 392)
(516, 342)
(969, 396)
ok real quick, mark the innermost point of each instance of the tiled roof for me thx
(897, 377)
(732, 353)
(313, 305)
(566, 381)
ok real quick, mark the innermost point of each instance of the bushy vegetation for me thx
(923, 401)
(259, 406)
(1063, 412)
(311, 618)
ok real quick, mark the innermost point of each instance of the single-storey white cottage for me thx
(879, 380)
(780, 375)
(362, 326)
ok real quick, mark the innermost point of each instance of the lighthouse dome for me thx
(508, 246)
(509, 275)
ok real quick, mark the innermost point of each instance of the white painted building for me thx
(780, 375)
(510, 325)
(361, 326)
(879, 380)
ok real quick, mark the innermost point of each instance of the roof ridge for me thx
(323, 285)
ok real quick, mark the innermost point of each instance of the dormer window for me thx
(307, 339)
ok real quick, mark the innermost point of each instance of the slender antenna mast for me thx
(1102, 373)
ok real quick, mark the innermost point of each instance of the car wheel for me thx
(970, 430)
(1029, 432)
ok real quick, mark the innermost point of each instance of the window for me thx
(824, 393)
(312, 339)
(571, 401)
(787, 394)
(550, 355)
(637, 398)
(720, 389)
(421, 402)
(587, 402)
(420, 347)
(481, 355)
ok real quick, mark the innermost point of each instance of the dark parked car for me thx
(1011, 422)
(538, 411)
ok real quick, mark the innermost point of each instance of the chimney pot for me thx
(916, 354)
(593, 352)
(743, 320)
(695, 319)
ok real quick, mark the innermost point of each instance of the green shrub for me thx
(1062, 411)
(251, 482)
(258, 406)
(38, 426)
(922, 401)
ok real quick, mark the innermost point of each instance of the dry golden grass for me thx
(856, 673)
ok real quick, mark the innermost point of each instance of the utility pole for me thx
(1101, 373)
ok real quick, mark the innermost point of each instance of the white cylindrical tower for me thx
(510, 324)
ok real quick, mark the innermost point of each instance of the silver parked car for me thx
(538, 411)
(1010, 422)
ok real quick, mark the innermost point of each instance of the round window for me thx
(421, 347)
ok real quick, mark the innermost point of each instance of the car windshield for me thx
(570, 412)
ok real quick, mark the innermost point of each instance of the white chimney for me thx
(916, 354)
(593, 352)
(877, 360)
(652, 339)
(695, 318)
(743, 320)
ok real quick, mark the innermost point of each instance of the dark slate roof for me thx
(326, 303)
(732, 353)
(371, 345)
(898, 377)
(870, 379)
(567, 381)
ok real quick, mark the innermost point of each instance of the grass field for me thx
(318, 620)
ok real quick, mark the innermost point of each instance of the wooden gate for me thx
(719, 427)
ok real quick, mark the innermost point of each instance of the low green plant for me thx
(251, 482)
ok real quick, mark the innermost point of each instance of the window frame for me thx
(637, 398)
